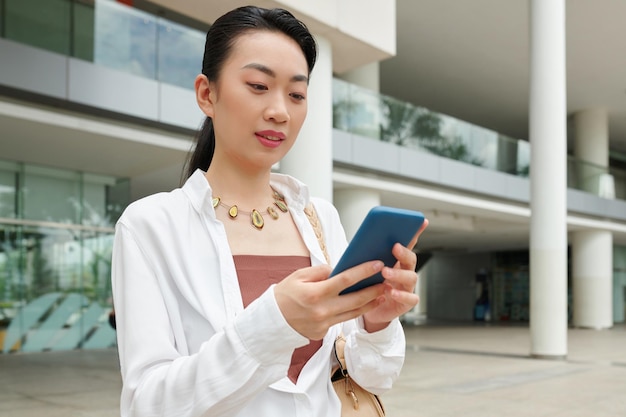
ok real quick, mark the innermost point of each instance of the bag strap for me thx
(311, 213)
(340, 344)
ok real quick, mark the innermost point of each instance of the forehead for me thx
(272, 49)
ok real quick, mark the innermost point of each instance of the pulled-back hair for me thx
(219, 43)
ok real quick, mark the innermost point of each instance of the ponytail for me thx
(202, 155)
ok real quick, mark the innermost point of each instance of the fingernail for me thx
(378, 265)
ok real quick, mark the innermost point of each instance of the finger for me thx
(413, 241)
(312, 273)
(353, 275)
(357, 312)
(406, 298)
(400, 278)
(407, 259)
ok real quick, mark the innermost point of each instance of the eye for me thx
(298, 96)
(257, 87)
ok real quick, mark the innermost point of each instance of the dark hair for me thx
(219, 42)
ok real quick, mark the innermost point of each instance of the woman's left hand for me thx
(399, 297)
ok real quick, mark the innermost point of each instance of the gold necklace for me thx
(256, 217)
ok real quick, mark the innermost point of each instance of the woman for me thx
(222, 299)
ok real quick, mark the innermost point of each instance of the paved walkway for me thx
(450, 370)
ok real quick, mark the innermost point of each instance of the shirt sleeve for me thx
(229, 370)
(374, 360)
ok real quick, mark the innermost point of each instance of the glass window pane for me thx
(51, 261)
(83, 34)
(125, 39)
(95, 199)
(8, 194)
(51, 195)
(2, 18)
(11, 283)
(96, 255)
(180, 52)
(118, 197)
(341, 105)
(40, 23)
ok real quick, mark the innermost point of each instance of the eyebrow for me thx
(271, 73)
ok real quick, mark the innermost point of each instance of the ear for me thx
(205, 94)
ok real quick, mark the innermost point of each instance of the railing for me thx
(366, 113)
(107, 33)
(607, 183)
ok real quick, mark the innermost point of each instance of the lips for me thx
(270, 138)
(271, 135)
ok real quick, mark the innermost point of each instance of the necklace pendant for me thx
(257, 219)
(272, 212)
(277, 195)
(281, 205)
(233, 211)
(216, 201)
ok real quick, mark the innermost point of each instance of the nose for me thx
(276, 110)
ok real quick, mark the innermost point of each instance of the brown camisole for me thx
(256, 273)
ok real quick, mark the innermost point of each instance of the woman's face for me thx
(259, 102)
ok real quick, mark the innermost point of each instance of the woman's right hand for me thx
(310, 302)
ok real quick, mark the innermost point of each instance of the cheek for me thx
(299, 114)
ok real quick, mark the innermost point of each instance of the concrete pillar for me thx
(548, 184)
(353, 205)
(592, 145)
(592, 136)
(592, 279)
(311, 158)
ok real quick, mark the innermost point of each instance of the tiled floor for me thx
(486, 371)
(450, 370)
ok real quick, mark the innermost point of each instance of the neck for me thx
(244, 189)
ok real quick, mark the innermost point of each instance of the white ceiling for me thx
(470, 59)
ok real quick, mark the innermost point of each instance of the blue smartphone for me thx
(382, 228)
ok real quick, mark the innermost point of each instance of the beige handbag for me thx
(356, 401)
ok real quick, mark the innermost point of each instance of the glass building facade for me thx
(107, 33)
(56, 234)
(56, 225)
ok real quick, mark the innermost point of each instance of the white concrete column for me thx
(311, 158)
(592, 278)
(592, 136)
(548, 185)
(353, 205)
(592, 146)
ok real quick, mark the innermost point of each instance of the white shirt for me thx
(188, 347)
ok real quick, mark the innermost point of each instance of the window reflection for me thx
(107, 33)
(55, 262)
(125, 39)
(180, 51)
(384, 118)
